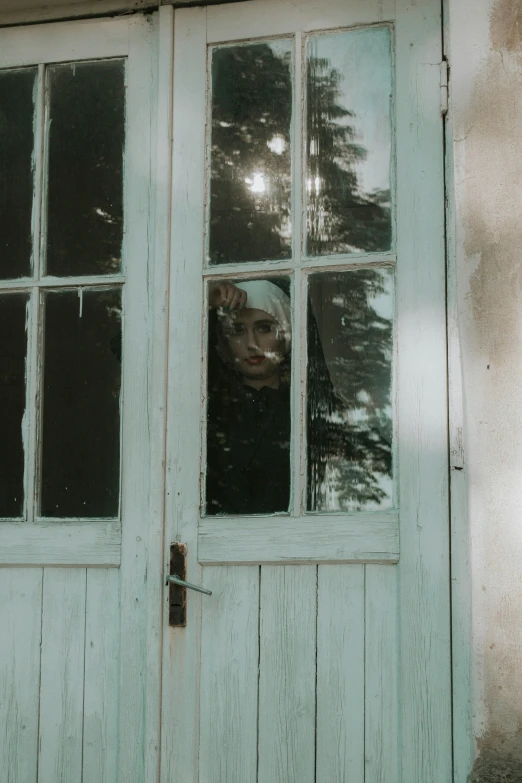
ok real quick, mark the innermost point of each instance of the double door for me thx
(223, 280)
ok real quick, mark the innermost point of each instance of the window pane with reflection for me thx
(349, 430)
(13, 353)
(250, 159)
(348, 138)
(85, 189)
(17, 92)
(248, 406)
(80, 472)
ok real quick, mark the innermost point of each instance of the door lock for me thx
(178, 586)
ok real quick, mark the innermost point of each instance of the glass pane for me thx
(17, 90)
(13, 350)
(81, 404)
(350, 333)
(85, 190)
(248, 414)
(250, 188)
(349, 85)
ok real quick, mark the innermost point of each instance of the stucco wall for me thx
(485, 53)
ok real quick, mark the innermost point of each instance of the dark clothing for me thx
(248, 449)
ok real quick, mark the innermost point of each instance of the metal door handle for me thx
(181, 583)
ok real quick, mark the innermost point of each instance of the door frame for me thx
(460, 531)
(412, 152)
(462, 693)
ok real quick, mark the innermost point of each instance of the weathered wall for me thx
(485, 52)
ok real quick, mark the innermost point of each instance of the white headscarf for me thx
(268, 297)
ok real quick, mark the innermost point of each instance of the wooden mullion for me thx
(38, 164)
(250, 268)
(319, 263)
(53, 283)
(44, 177)
(31, 406)
(350, 260)
(299, 331)
(297, 392)
(33, 306)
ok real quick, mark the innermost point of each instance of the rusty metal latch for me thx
(178, 586)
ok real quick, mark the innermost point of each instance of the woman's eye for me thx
(264, 328)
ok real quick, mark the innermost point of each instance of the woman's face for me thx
(256, 345)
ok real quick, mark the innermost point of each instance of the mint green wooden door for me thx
(75, 208)
(307, 452)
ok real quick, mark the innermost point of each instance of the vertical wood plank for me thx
(136, 432)
(158, 389)
(381, 671)
(181, 646)
(340, 674)
(287, 674)
(62, 672)
(20, 621)
(424, 579)
(229, 675)
(100, 709)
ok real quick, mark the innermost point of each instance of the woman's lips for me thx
(255, 359)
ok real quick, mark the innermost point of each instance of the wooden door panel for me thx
(73, 660)
(287, 638)
(62, 675)
(230, 676)
(21, 623)
(315, 644)
(353, 639)
(102, 653)
(362, 537)
(381, 675)
(340, 673)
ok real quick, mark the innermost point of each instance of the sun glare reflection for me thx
(257, 183)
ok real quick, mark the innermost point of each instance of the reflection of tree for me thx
(251, 106)
(85, 170)
(251, 109)
(339, 216)
(349, 361)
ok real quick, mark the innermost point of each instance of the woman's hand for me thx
(223, 293)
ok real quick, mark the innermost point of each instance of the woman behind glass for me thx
(248, 432)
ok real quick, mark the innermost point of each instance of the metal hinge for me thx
(444, 87)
